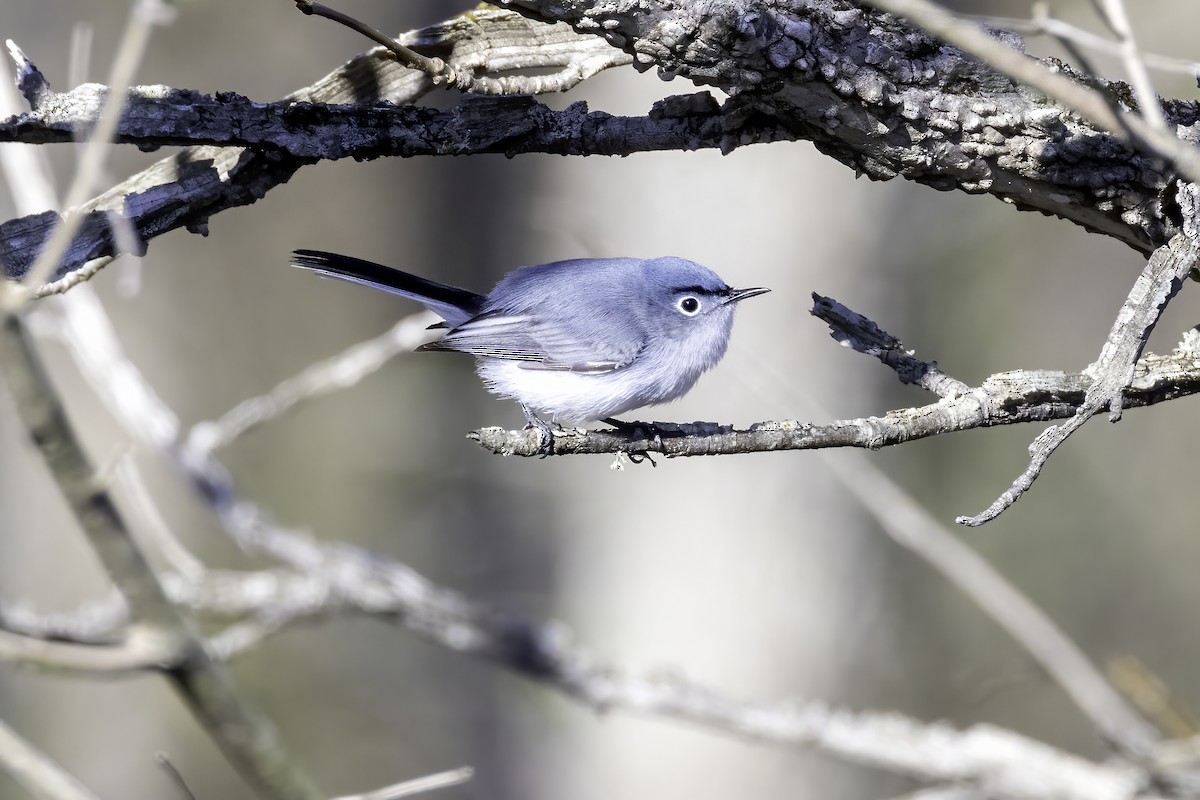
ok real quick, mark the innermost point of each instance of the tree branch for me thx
(1113, 372)
(36, 772)
(865, 87)
(155, 117)
(184, 190)
(1150, 133)
(887, 99)
(246, 738)
(1007, 398)
(328, 579)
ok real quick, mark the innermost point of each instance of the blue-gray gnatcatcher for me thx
(579, 340)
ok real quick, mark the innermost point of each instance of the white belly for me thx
(578, 397)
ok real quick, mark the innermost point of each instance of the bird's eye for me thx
(688, 305)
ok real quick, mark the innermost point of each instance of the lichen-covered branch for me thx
(155, 117)
(1007, 398)
(867, 88)
(186, 188)
(298, 133)
(888, 99)
(1113, 372)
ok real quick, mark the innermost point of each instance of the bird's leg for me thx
(532, 420)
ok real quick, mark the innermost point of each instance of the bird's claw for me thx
(545, 432)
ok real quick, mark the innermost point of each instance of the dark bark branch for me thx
(154, 118)
(184, 190)
(865, 87)
(888, 100)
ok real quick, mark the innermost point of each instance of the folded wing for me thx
(564, 345)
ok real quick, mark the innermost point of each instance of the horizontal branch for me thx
(185, 189)
(156, 117)
(1007, 398)
(139, 650)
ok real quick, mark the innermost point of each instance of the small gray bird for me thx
(579, 340)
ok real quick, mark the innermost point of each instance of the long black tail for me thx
(452, 304)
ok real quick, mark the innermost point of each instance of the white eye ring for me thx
(688, 306)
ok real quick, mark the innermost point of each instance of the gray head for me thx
(690, 310)
(636, 289)
(693, 293)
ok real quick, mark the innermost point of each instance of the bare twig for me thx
(94, 623)
(1113, 12)
(944, 793)
(336, 373)
(1044, 24)
(36, 772)
(428, 783)
(860, 333)
(913, 527)
(140, 649)
(164, 761)
(1114, 370)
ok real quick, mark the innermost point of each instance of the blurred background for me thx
(758, 575)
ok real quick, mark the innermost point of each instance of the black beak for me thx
(735, 295)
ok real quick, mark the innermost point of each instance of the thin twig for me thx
(164, 761)
(913, 527)
(36, 772)
(141, 649)
(1042, 23)
(862, 334)
(1113, 12)
(428, 783)
(339, 372)
(1114, 370)
(437, 69)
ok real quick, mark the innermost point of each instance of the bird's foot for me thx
(545, 432)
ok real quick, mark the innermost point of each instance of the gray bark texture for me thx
(878, 95)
